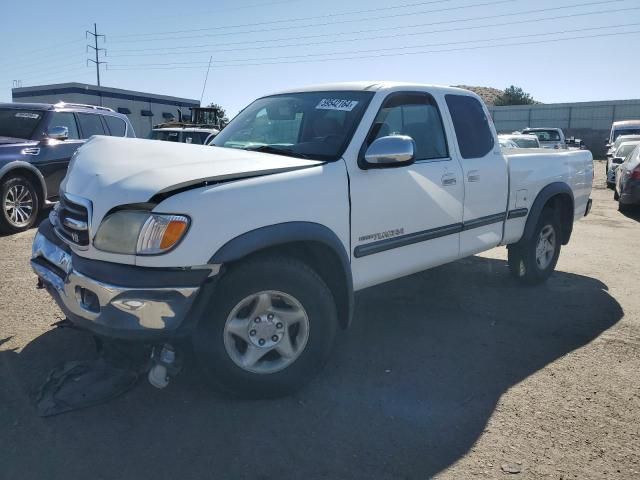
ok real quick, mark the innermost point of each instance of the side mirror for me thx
(58, 133)
(391, 151)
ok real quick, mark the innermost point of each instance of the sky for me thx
(557, 50)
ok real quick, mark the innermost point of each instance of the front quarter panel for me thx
(220, 213)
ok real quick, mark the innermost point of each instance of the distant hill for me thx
(488, 94)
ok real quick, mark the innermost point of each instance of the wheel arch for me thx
(29, 171)
(559, 196)
(312, 243)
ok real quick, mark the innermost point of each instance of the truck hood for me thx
(112, 171)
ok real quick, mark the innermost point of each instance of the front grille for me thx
(72, 223)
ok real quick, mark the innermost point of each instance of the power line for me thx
(271, 22)
(377, 55)
(378, 37)
(313, 55)
(337, 22)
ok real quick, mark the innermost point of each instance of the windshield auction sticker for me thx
(336, 104)
(34, 116)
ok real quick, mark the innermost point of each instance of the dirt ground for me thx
(454, 373)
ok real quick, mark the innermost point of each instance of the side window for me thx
(472, 126)
(116, 125)
(417, 116)
(90, 124)
(65, 119)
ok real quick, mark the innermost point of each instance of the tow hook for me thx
(163, 365)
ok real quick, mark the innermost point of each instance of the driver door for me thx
(406, 219)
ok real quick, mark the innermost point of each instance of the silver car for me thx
(616, 159)
(627, 181)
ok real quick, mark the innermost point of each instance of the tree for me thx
(514, 96)
(220, 114)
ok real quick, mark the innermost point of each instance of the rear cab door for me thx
(485, 173)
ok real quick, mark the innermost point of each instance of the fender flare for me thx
(9, 167)
(541, 200)
(290, 232)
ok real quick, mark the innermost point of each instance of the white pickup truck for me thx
(252, 249)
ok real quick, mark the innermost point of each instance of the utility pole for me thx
(96, 50)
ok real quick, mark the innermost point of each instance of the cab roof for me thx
(626, 123)
(373, 86)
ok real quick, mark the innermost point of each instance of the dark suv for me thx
(37, 141)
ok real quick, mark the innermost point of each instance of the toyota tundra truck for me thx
(251, 251)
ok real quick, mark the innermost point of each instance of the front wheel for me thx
(268, 330)
(20, 204)
(534, 260)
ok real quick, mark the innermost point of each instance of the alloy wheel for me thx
(18, 205)
(266, 332)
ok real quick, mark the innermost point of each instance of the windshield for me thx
(626, 131)
(19, 123)
(166, 135)
(315, 125)
(545, 135)
(625, 149)
(625, 138)
(523, 142)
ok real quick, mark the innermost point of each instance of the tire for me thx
(616, 197)
(524, 264)
(18, 219)
(222, 345)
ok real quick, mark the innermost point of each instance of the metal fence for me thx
(589, 121)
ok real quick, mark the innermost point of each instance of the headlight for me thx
(139, 232)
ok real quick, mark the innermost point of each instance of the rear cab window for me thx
(475, 138)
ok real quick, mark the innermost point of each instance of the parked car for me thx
(522, 140)
(507, 142)
(548, 137)
(252, 249)
(618, 157)
(37, 140)
(623, 127)
(575, 143)
(195, 135)
(627, 183)
(620, 139)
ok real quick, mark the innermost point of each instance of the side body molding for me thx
(296, 232)
(19, 164)
(551, 190)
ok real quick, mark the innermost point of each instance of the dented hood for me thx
(112, 171)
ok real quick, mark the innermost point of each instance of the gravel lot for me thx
(455, 373)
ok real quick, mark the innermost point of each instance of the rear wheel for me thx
(20, 204)
(268, 330)
(534, 260)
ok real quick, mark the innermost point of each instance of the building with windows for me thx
(143, 109)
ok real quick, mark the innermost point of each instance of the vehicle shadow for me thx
(632, 212)
(407, 393)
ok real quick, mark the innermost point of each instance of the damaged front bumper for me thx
(117, 301)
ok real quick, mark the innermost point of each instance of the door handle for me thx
(448, 179)
(473, 176)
